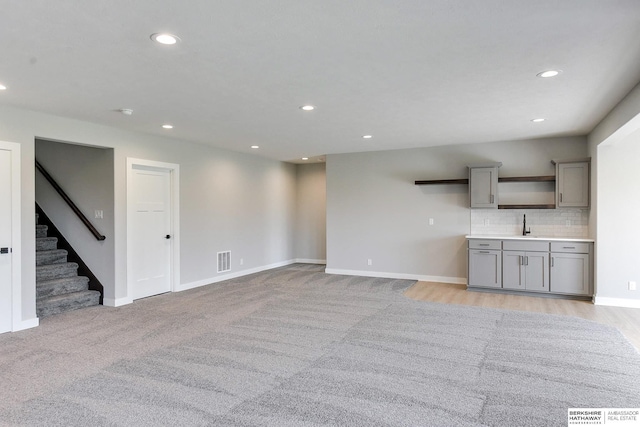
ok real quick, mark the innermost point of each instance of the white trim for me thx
(385, 275)
(223, 277)
(26, 324)
(617, 302)
(16, 235)
(310, 261)
(174, 177)
(110, 302)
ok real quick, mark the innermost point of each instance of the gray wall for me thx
(311, 218)
(86, 175)
(228, 200)
(237, 202)
(374, 210)
(615, 146)
(619, 214)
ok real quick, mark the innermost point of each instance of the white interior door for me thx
(6, 301)
(151, 239)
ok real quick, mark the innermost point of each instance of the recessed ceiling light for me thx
(165, 38)
(538, 120)
(2, 87)
(305, 158)
(548, 73)
(167, 126)
(367, 136)
(255, 146)
(307, 107)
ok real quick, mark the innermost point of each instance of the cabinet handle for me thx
(568, 247)
(560, 197)
(551, 261)
(484, 252)
(483, 244)
(491, 198)
(526, 260)
(520, 260)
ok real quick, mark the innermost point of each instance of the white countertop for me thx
(543, 238)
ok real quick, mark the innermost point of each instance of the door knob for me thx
(168, 236)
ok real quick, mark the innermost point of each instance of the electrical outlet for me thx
(430, 221)
(369, 262)
(99, 214)
(632, 286)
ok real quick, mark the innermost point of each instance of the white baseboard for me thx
(311, 261)
(26, 324)
(117, 302)
(617, 302)
(419, 277)
(222, 277)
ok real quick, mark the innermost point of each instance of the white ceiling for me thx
(413, 73)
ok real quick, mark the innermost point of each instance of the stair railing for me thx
(69, 202)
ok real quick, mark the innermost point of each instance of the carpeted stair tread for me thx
(58, 286)
(41, 230)
(46, 243)
(67, 302)
(65, 285)
(55, 271)
(55, 256)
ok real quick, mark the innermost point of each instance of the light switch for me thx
(99, 214)
(430, 221)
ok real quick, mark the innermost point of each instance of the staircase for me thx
(58, 286)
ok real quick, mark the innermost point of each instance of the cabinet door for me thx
(485, 268)
(536, 271)
(570, 273)
(513, 274)
(483, 186)
(573, 185)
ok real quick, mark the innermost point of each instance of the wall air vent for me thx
(224, 261)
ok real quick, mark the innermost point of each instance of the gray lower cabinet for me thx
(525, 271)
(571, 268)
(557, 267)
(485, 268)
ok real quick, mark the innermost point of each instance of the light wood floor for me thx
(627, 320)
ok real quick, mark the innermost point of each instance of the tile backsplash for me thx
(542, 222)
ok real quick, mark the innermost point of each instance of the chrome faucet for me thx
(524, 226)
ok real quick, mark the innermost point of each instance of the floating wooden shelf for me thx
(547, 178)
(526, 206)
(443, 181)
(543, 178)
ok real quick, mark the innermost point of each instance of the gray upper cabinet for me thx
(483, 186)
(572, 184)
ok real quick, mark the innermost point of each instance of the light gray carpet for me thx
(296, 347)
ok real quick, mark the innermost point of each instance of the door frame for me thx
(174, 204)
(16, 240)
